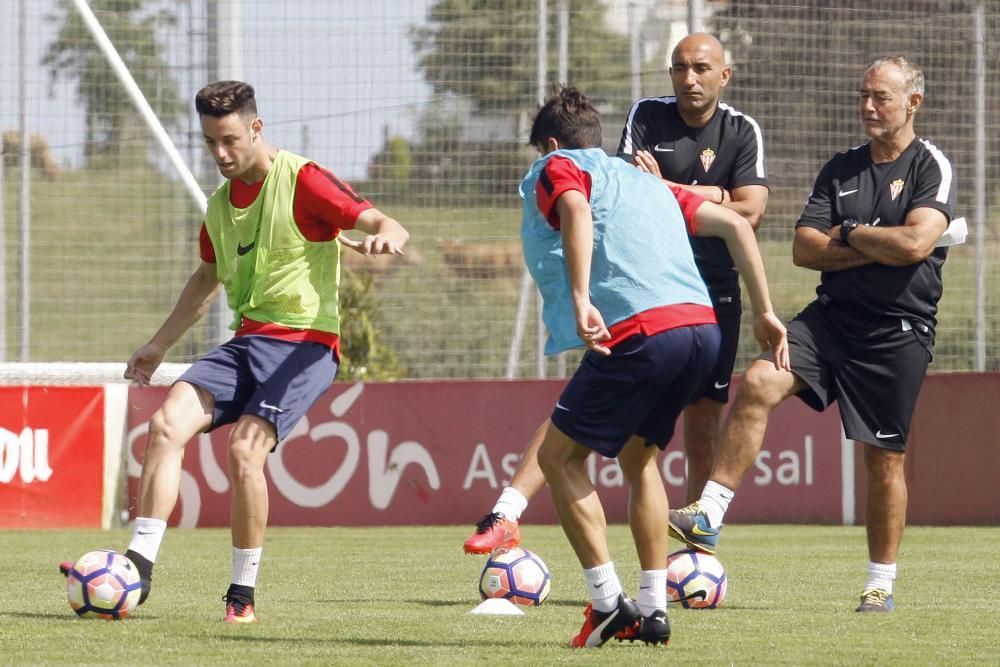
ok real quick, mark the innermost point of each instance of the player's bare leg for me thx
(186, 411)
(702, 432)
(885, 520)
(647, 515)
(576, 501)
(528, 477)
(762, 388)
(250, 442)
(582, 517)
(499, 528)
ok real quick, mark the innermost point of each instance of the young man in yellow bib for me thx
(270, 238)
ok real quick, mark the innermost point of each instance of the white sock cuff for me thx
(603, 586)
(652, 591)
(882, 568)
(147, 535)
(601, 573)
(511, 504)
(246, 563)
(716, 489)
(653, 578)
(714, 502)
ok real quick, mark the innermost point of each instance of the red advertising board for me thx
(51, 457)
(440, 452)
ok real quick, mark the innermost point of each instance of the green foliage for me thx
(363, 354)
(131, 25)
(401, 596)
(485, 50)
(391, 168)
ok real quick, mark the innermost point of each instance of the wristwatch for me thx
(846, 227)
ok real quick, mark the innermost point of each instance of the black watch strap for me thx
(846, 227)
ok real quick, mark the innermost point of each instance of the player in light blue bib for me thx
(617, 279)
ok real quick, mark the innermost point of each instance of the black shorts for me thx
(873, 370)
(278, 380)
(729, 315)
(640, 389)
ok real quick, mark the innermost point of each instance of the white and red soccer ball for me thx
(103, 584)
(517, 575)
(696, 580)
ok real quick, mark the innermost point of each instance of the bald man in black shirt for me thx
(692, 140)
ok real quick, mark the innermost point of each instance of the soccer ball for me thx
(517, 575)
(696, 580)
(103, 584)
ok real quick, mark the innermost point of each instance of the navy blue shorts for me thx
(278, 380)
(717, 387)
(873, 369)
(640, 389)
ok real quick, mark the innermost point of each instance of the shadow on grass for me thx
(70, 616)
(447, 603)
(425, 603)
(357, 641)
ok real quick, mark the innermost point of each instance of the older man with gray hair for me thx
(871, 226)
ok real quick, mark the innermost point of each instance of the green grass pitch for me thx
(385, 596)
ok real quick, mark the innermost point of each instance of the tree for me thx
(798, 67)
(485, 50)
(131, 25)
(363, 354)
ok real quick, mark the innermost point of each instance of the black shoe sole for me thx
(679, 535)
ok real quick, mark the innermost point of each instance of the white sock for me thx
(246, 562)
(604, 586)
(147, 534)
(881, 575)
(511, 504)
(652, 591)
(714, 501)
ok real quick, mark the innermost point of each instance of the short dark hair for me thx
(225, 97)
(568, 117)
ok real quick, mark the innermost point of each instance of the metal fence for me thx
(423, 105)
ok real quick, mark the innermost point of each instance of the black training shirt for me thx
(728, 151)
(851, 186)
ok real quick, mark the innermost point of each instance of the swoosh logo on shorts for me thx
(721, 386)
(883, 436)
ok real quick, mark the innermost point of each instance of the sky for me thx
(332, 76)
